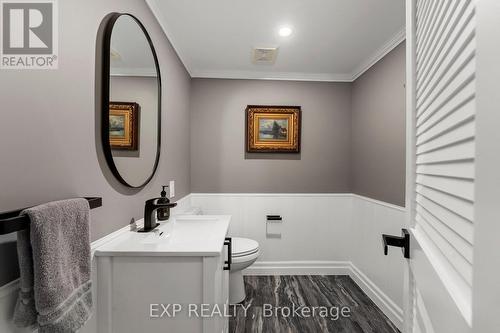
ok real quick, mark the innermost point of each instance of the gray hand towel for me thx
(54, 258)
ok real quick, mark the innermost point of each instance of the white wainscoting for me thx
(314, 226)
(321, 234)
(380, 276)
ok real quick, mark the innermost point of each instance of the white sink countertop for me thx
(183, 235)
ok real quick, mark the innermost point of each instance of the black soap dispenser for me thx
(163, 214)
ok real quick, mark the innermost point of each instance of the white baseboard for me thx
(298, 268)
(386, 304)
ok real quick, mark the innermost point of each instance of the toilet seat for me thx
(244, 260)
(243, 247)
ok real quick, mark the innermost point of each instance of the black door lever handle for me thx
(402, 242)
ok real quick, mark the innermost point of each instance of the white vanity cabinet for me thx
(173, 282)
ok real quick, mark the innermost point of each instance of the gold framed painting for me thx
(123, 125)
(273, 129)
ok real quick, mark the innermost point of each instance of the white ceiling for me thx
(332, 40)
(133, 56)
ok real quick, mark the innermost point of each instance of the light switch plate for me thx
(171, 186)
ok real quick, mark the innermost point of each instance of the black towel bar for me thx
(12, 221)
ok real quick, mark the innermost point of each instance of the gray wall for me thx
(218, 159)
(353, 135)
(378, 130)
(47, 130)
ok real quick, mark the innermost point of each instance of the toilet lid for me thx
(243, 246)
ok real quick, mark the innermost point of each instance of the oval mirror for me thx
(131, 101)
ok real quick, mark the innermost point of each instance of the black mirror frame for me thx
(106, 146)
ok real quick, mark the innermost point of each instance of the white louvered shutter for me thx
(444, 134)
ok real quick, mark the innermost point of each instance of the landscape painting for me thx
(273, 129)
(117, 125)
(123, 125)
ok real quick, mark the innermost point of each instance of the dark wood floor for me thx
(309, 291)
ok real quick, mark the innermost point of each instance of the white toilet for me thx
(244, 253)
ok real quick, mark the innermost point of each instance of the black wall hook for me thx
(402, 242)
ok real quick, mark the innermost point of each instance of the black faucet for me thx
(150, 208)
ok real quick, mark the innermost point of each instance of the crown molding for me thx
(284, 76)
(140, 72)
(379, 54)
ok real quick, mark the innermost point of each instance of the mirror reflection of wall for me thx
(134, 102)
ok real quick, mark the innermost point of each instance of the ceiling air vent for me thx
(264, 55)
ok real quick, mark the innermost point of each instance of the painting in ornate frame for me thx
(273, 129)
(123, 125)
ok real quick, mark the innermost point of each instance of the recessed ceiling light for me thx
(285, 31)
